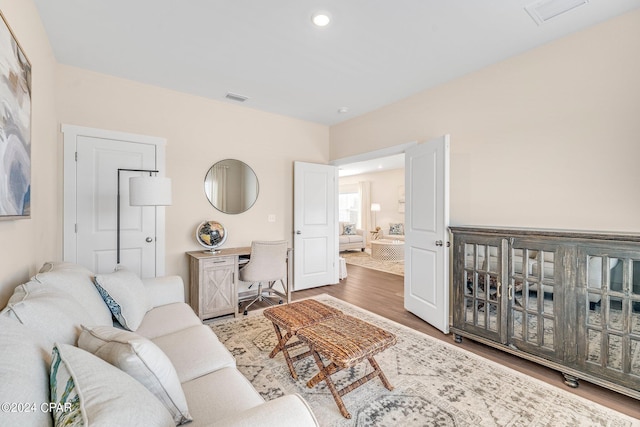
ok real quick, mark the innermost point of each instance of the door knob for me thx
(439, 243)
(298, 232)
(149, 239)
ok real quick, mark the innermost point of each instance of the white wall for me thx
(384, 190)
(545, 139)
(28, 243)
(200, 132)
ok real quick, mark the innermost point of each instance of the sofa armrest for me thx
(164, 290)
(286, 411)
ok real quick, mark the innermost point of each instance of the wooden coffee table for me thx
(345, 341)
(293, 317)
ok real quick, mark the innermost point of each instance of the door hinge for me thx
(75, 226)
(76, 156)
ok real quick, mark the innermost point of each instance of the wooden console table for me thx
(565, 299)
(213, 281)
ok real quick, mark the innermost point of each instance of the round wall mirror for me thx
(231, 186)
(211, 235)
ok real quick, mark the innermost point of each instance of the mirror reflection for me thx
(231, 186)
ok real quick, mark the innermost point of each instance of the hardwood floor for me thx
(383, 294)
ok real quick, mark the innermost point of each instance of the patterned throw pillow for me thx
(89, 391)
(125, 295)
(396, 229)
(349, 229)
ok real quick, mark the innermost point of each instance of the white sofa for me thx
(348, 242)
(181, 370)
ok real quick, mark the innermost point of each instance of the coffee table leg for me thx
(377, 369)
(282, 346)
(325, 374)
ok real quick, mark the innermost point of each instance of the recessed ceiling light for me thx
(320, 19)
(343, 110)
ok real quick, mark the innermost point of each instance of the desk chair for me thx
(268, 263)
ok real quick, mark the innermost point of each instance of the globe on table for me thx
(211, 235)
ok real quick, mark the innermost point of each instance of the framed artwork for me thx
(15, 127)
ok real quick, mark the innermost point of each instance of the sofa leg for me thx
(362, 249)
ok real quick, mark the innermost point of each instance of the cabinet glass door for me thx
(609, 318)
(535, 298)
(479, 288)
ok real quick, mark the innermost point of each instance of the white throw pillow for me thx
(50, 312)
(88, 391)
(143, 360)
(77, 281)
(125, 295)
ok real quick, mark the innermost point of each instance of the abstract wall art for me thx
(15, 127)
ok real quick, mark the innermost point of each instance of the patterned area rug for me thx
(364, 259)
(436, 383)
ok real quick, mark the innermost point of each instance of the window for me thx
(349, 205)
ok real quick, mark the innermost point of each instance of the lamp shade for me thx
(375, 207)
(149, 191)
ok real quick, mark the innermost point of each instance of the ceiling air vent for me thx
(542, 11)
(236, 97)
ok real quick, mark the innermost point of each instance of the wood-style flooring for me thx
(383, 294)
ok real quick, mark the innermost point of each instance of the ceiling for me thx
(381, 164)
(373, 53)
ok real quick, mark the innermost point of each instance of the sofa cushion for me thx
(167, 319)
(125, 295)
(77, 281)
(98, 394)
(349, 229)
(25, 374)
(343, 240)
(396, 229)
(236, 394)
(49, 311)
(195, 351)
(143, 360)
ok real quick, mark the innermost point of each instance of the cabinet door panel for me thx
(478, 302)
(535, 297)
(608, 286)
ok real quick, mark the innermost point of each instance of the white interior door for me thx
(315, 238)
(91, 203)
(426, 278)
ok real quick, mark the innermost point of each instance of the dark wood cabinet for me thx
(567, 300)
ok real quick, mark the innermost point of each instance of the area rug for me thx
(436, 383)
(364, 259)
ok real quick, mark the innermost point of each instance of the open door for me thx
(426, 278)
(315, 238)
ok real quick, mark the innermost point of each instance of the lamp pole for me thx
(150, 171)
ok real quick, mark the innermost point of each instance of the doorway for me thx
(426, 241)
(91, 161)
(371, 198)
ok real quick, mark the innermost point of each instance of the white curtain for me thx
(364, 190)
(219, 188)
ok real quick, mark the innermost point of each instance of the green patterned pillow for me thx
(64, 394)
(87, 391)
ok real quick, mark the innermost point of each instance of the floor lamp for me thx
(152, 190)
(375, 207)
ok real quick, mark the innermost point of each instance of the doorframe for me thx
(376, 154)
(70, 134)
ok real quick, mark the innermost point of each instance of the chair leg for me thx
(260, 297)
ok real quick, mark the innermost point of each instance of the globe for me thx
(211, 234)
